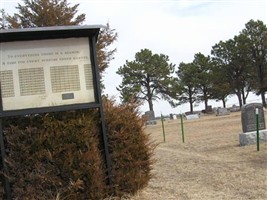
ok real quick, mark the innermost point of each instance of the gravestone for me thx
(173, 116)
(192, 116)
(150, 115)
(222, 111)
(151, 122)
(209, 110)
(234, 108)
(150, 118)
(248, 117)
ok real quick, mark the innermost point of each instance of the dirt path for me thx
(209, 165)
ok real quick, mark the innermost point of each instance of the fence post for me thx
(162, 119)
(182, 126)
(257, 126)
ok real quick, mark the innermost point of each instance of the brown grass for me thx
(209, 165)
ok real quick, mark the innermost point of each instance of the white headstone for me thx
(192, 116)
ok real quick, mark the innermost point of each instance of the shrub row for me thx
(59, 156)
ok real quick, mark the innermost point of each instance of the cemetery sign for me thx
(48, 69)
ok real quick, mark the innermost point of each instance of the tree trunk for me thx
(191, 102)
(224, 103)
(150, 103)
(263, 99)
(239, 99)
(149, 94)
(205, 97)
(243, 97)
(191, 107)
(206, 104)
(260, 70)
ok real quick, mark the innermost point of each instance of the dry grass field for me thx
(209, 165)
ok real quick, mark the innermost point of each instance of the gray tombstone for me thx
(209, 109)
(222, 111)
(151, 122)
(234, 108)
(150, 115)
(248, 117)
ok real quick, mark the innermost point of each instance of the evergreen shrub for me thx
(59, 156)
(131, 148)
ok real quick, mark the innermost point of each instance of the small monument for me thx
(172, 116)
(192, 116)
(209, 110)
(150, 117)
(234, 108)
(249, 126)
(222, 111)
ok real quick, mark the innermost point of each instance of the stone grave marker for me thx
(222, 111)
(248, 117)
(192, 116)
(150, 117)
(172, 116)
(209, 110)
(234, 108)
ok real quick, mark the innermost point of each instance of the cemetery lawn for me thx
(209, 165)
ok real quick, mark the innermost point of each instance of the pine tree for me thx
(41, 13)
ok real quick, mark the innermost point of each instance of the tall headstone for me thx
(150, 115)
(248, 117)
(150, 118)
(249, 126)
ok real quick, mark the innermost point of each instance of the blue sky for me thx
(178, 29)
